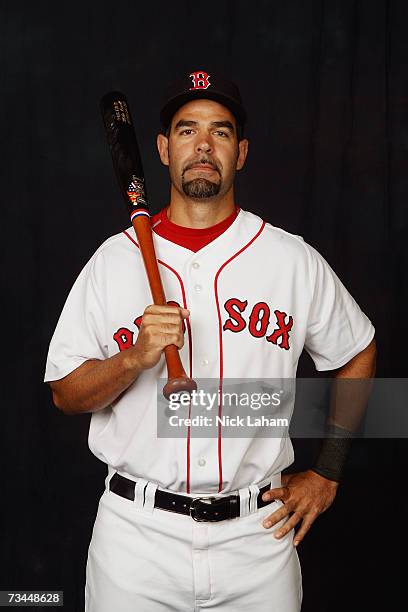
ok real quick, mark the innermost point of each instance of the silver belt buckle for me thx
(194, 512)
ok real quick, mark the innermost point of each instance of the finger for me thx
(168, 328)
(275, 517)
(162, 339)
(281, 493)
(156, 309)
(180, 342)
(183, 312)
(156, 335)
(288, 526)
(172, 339)
(165, 309)
(161, 317)
(306, 525)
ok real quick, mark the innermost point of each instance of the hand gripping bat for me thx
(129, 172)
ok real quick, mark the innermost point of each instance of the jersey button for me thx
(197, 287)
(195, 265)
(205, 362)
(201, 462)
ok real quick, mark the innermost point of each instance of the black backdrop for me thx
(326, 87)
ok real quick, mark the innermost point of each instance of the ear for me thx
(163, 148)
(242, 153)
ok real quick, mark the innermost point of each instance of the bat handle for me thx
(177, 380)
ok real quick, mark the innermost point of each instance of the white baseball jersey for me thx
(257, 296)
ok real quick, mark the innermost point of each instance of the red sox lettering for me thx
(258, 323)
(259, 320)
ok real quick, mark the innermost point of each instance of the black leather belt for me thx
(199, 508)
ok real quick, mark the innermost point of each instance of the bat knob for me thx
(182, 384)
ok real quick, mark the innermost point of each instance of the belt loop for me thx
(150, 493)
(243, 501)
(139, 493)
(276, 481)
(253, 502)
(110, 474)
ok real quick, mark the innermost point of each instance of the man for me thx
(246, 298)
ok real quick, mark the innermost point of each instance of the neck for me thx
(199, 214)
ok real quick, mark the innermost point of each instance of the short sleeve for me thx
(337, 329)
(80, 331)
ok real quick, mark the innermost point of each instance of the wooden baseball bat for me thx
(129, 172)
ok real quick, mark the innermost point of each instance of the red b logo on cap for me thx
(200, 80)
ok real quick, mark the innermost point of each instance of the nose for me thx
(203, 144)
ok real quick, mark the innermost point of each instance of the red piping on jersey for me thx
(221, 348)
(190, 349)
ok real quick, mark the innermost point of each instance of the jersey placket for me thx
(203, 458)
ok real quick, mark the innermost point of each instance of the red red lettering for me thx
(282, 330)
(138, 321)
(124, 338)
(259, 324)
(200, 80)
(236, 322)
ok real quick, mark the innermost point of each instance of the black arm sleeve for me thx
(333, 453)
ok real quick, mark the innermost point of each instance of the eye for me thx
(187, 131)
(222, 134)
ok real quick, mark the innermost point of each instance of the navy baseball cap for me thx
(197, 85)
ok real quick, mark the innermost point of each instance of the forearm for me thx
(351, 389)
(349, 396)
(96, 384)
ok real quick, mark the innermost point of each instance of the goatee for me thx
(200, 188)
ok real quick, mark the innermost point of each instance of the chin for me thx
(201, 189)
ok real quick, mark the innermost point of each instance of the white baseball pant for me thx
(143, 559)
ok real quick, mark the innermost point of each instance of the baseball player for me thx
(189, 523)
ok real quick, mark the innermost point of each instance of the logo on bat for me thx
(136, 192)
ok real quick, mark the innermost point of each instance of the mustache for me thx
(202, 160)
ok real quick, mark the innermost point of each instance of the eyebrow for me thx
(218, 124)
